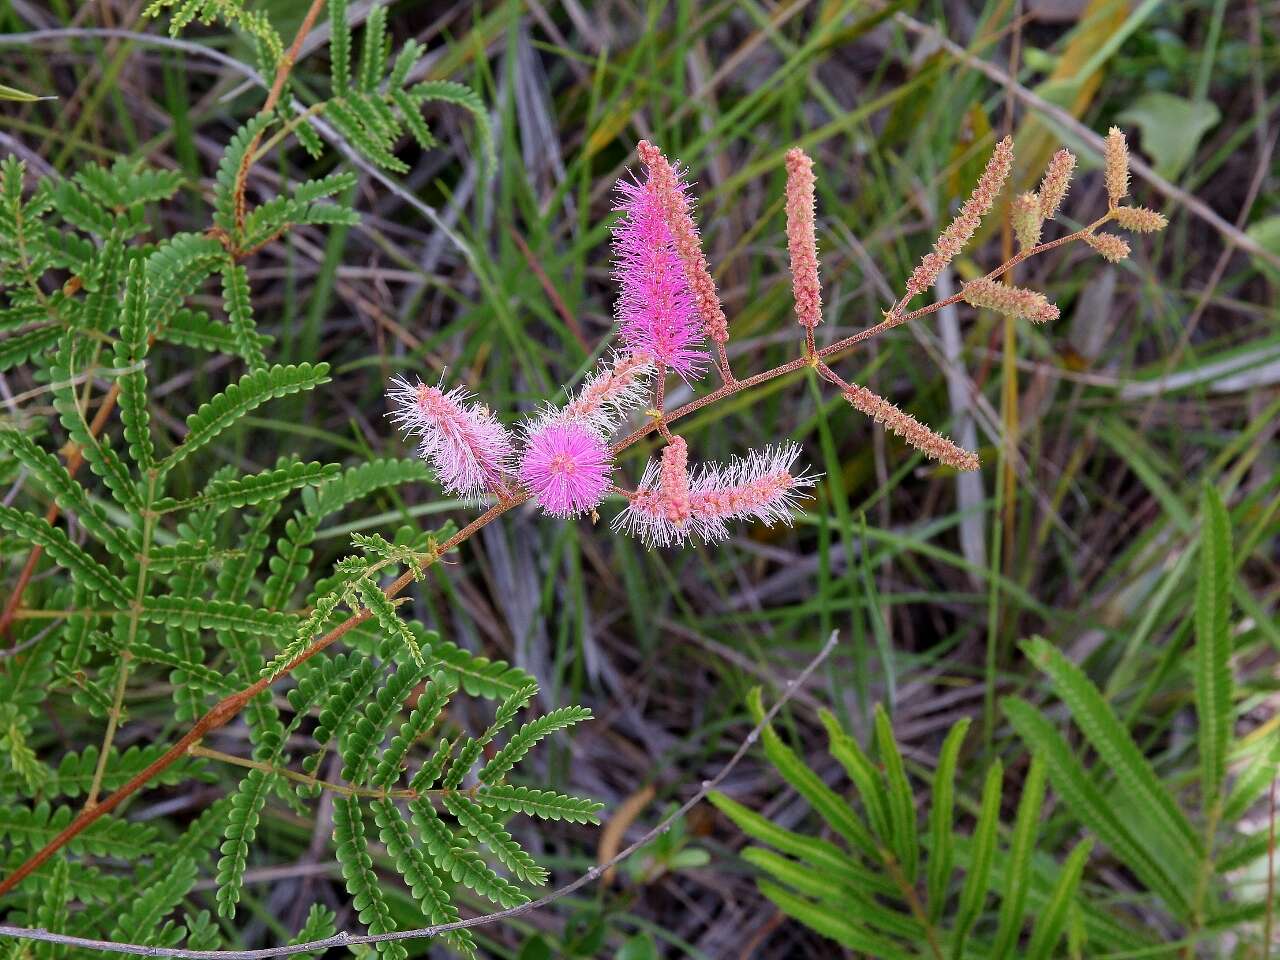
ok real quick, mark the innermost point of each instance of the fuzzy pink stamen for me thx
(657, 314)
(567, 467)
(469, 449)
(673, 202)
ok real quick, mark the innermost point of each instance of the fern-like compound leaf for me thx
(384, 612)
(447, 91)
(175, 271)
(321, 924)
(357, 870)
(365, 735)
(108, 836)
(225, 494)
(462, 864)
(431, 703)
(69, 495)
(251, 391)
(424, 883)
(200, 613)
(229, 166)
(131, 350)
(487, 828)
(239, 306)
(339, 47)
(143, 922)
(58, 546)
(524, 739)
(242, 827)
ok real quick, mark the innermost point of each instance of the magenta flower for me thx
(657, 314)
(469, 449)
(566, 466)
(761, 487)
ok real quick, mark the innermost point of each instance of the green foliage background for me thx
(1100, 791)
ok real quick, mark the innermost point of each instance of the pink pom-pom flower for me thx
(762, 486)
(469, 449)
(657, 314)
(566, 466)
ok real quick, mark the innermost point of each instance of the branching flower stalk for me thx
(760, 486)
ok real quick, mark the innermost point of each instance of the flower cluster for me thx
(668, 317)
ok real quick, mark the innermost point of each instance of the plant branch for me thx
(228, 708)
(283, 69)
(346, 940)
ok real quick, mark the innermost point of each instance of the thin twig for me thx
(345, 939)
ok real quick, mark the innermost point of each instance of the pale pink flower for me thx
(469, 449)
(762, 486)
(618, 386)
(567, 467)
(657, 314)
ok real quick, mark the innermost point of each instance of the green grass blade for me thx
(1213, 643)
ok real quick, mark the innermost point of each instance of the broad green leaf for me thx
(1091, 807)
(1018, 865)
(977, 880)
(1172, 127)
(902, 810)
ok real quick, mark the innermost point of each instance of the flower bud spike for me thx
(673, 203)
(1025, 214)
(966, 223)
(674, 481)
(1139, 219)
(1115, 157)
(1057, 178)
(910, 429)
(802, 243)
(1111, 247)
(1016, 302)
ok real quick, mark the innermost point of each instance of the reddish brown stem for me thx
(283, 69)
(75, 457)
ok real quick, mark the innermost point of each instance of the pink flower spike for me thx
(618, 386)
(469, 449)
(657, 313)
(567, 467)
(762, 486)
